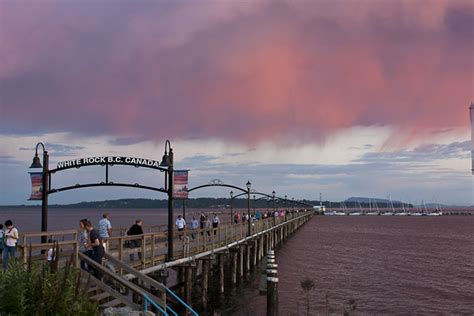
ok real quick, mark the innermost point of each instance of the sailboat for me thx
(403, 212)
(388, 213)
(357, 213)
(437, 212)
(343, 213)
(370, 212)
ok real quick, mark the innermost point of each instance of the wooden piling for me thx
(189, 284)
(272, 286)
(234, 267)
(205, 282)
(241, 262)
(254, 253)
(221, 273)
(247, 257)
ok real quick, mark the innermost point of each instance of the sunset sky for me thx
(347, 98)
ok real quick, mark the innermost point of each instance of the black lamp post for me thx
(286, 206)
(274, 215)
(231, 209)
(293, 205)
(44, 194)
(167, 161)
(249, 185)
(254, 205)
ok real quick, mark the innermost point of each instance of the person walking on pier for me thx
(105, 229)
(83, 237)
(11, 238)
(136, 229)
(215, 223)
(180, 224)
(194, 225)
(208, 225)
(202, 221)
(237, 218)
(96, 247)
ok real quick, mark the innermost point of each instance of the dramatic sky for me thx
(347, 98)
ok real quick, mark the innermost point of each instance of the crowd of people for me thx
(93, 242)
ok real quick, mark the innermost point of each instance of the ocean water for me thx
(384, 265)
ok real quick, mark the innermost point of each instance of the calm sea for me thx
(386, 265)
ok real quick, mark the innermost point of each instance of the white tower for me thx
(471, 111)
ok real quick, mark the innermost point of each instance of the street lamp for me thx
(293, 207)
(44, 193)
(286, 206)
(231, 210)
(249, 185)
(167, 162)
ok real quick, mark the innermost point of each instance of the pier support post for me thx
(272, 286)
(254, 253)
(241, 262)
(247, 259)
(205, 282)
(189, 283)
(234, 267)
(221, 274)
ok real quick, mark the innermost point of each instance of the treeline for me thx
(225, 203)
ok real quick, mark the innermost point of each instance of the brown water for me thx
(388, 265)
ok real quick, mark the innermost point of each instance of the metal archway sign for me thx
(41, 181)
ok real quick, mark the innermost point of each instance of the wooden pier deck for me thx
(141, 283)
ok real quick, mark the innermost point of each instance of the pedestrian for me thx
(51, 254)
(180, 224)
(202, 221)
(11, 238)
(97, 249)
(83, 238)
(194, 225)
(208, 225)
(2, 233)
(105, 229)
(257, 215)
(215, 223)
(136, 229)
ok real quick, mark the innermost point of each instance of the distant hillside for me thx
(369, 200)
(353, 202)
(152, 203)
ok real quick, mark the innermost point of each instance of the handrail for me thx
(49, 233)
(138, 274)
(146, 300)
(116, 277)
(182, 302)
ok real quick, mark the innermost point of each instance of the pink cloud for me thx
(248, 72)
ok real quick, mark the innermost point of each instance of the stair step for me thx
(93, 288)
(99, 297)
(113, 303)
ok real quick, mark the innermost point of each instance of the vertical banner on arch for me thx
(36, 185)
(180, 184)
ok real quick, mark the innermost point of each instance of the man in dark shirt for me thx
(95, 245)
(136, 229)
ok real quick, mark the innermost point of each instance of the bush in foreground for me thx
(36, 289)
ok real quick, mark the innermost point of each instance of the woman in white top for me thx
(83, 240)
(11, 238)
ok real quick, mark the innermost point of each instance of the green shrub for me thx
(35, 289)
